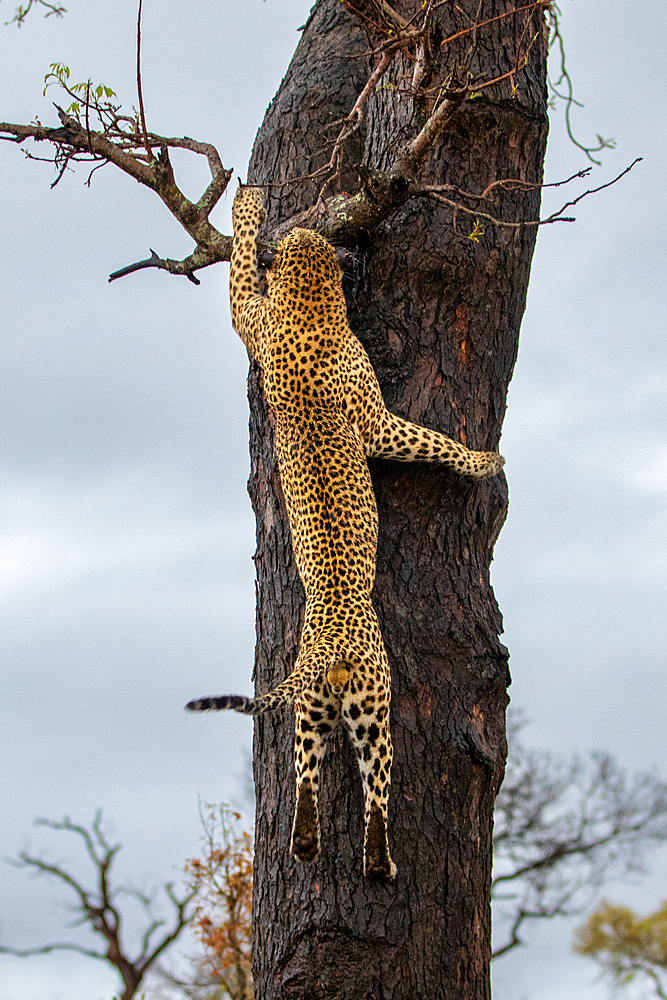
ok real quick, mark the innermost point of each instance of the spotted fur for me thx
(330, 417)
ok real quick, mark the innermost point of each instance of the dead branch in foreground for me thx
(345, 219)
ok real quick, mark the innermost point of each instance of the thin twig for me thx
(557, 39)
(139, 87)
(507, 184)
(504, 224)
(498, 17)
(90, 148)
(22, 12)
(570, 204)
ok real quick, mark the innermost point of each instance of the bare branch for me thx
(541, 4)
(196, 260)
(182, 920)
(28, 952)
(220, 176)
(371, 84)
(66, 824)
(514, 940)
(378, 8)
(40, 867)
(414, 153)
(148, 934)
(570, 204)
(435, 192)
(72, 138)
(393, 16)
(353, 120)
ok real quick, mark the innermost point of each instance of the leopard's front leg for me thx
(249, 308)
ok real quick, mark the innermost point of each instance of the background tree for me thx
(628, 948)
(98, 909)
(562, 830)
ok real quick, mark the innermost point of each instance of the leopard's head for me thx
(305, 267)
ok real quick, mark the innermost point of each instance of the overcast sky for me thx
(126, 533)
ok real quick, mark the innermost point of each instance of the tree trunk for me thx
(439, 314)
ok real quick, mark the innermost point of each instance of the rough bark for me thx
(439, 315)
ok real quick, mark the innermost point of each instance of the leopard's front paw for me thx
(248, 207)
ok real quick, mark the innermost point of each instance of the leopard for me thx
(330, 418)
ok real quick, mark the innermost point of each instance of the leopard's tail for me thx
(310, 667)
(220, 702)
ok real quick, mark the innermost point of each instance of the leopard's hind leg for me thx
(367, 719)
(317, 714)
